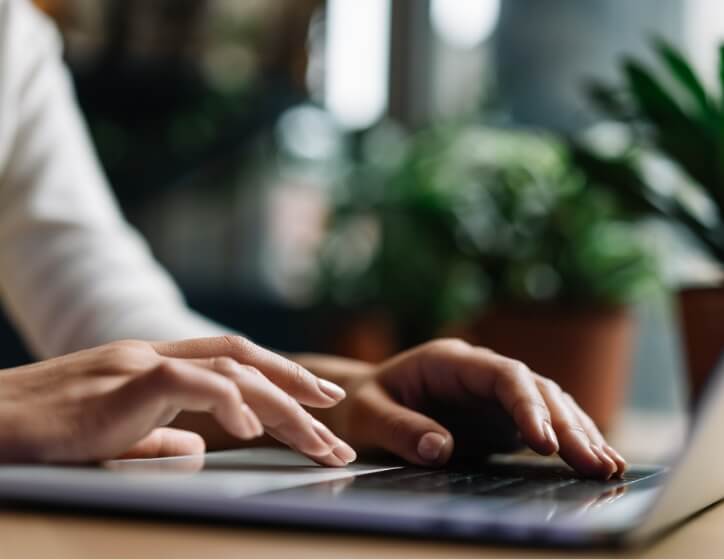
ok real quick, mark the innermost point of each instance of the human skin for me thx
(447, 399)
(117, 401)
(441, 400)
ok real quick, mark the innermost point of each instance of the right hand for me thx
(116, 400)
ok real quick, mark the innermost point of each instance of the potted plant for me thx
(493, 236)
(671, 114)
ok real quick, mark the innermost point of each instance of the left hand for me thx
(448, 396)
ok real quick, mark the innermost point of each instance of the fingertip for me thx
(434, 448)
(550, 444)
(608, 465)
(331, 390)
(321, 394)
(252, 427)
(541, 438)
(618, 459)
(345, 453)
(166, 442)
(329, 460)
(585, 458)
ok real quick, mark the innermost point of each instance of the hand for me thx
(447, 396)
(115, 401)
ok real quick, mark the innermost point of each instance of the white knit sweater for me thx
(73, 273)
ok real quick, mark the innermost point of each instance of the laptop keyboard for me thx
(501, 483)
(495, 495)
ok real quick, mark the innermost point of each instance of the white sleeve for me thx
(73, 273)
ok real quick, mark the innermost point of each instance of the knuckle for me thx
(449, 346)
(237, 344)
(224, 364)
(113, 354)
(165, 375)
(550, 386)
(228, 389)
(519, 368)
(125, 356)
(298, 375)
(128, 344)
(247, 372)
(290, 404)
(291, 412)
(570, 401)
(570, 425)
(577, 429)
(514, 371)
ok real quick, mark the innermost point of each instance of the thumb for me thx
(402, 431)
(166, 442)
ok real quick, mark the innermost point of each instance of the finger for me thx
(289, 376)
(230, 368)
(576, 448)
(484, 374)
(177, 385)
(401, 431)
(340, 449)
(166, 442)
(596, 437)
(282, 416)
(340, 455)
(515, 388)
(146, 402)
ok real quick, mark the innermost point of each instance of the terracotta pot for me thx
(702, 321)
(587, 352)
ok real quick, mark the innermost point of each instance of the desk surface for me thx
(43, 534)
(64, 536)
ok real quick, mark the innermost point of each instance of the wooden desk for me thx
(35, 534)
(65, 536)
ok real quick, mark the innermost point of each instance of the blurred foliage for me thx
(434, 228)
(671, 116)
(174, 88)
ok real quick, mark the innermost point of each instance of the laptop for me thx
(513, 498)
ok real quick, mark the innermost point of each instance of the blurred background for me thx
(355, 177)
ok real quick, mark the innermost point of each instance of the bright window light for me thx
(705, 32)
(357, 61)
(464, 24)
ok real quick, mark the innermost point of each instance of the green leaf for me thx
(608, 100)
(711, 238)
(621, 178)
(721, 76)
(685, 75)
(652, 99)
(693, 145)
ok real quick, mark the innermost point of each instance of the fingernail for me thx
(604, 460)
(334, 460)
(550, 435)
(345, 452)
(330, 389)
(339, 447)
(617, 457)
(430, 447)
(615, 454)
(252, 421)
